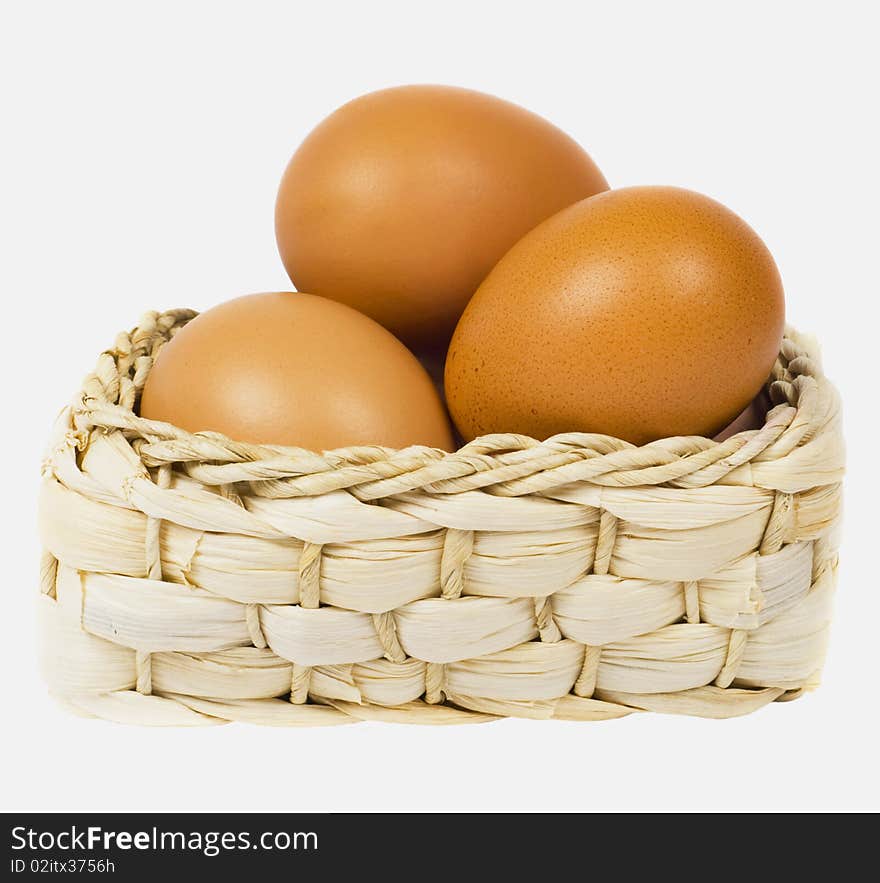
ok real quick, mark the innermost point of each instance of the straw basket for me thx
(191, 579)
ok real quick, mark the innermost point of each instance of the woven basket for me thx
(191, 579)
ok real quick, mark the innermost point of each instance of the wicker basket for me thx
(191, 579)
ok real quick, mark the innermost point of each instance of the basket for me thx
(194, 580)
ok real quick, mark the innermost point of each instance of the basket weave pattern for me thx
(191, 579)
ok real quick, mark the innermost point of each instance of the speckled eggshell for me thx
(639, 313)
(401, 201)
(295, 369)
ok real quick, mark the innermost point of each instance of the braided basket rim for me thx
(508, 463)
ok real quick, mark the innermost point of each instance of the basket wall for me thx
(190, 579)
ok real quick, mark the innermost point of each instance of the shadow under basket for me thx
(193, 580)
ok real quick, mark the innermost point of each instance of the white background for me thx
(141, 150)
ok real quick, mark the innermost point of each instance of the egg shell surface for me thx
(294, 369)
(640, 313)
(401, 201)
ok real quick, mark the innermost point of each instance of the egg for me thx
(639, 313)
(294, 369)
(401, 201)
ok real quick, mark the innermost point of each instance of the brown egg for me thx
(295, 369)
(639, 313)
(401, 201)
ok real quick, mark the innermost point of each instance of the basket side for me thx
(191, 580)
